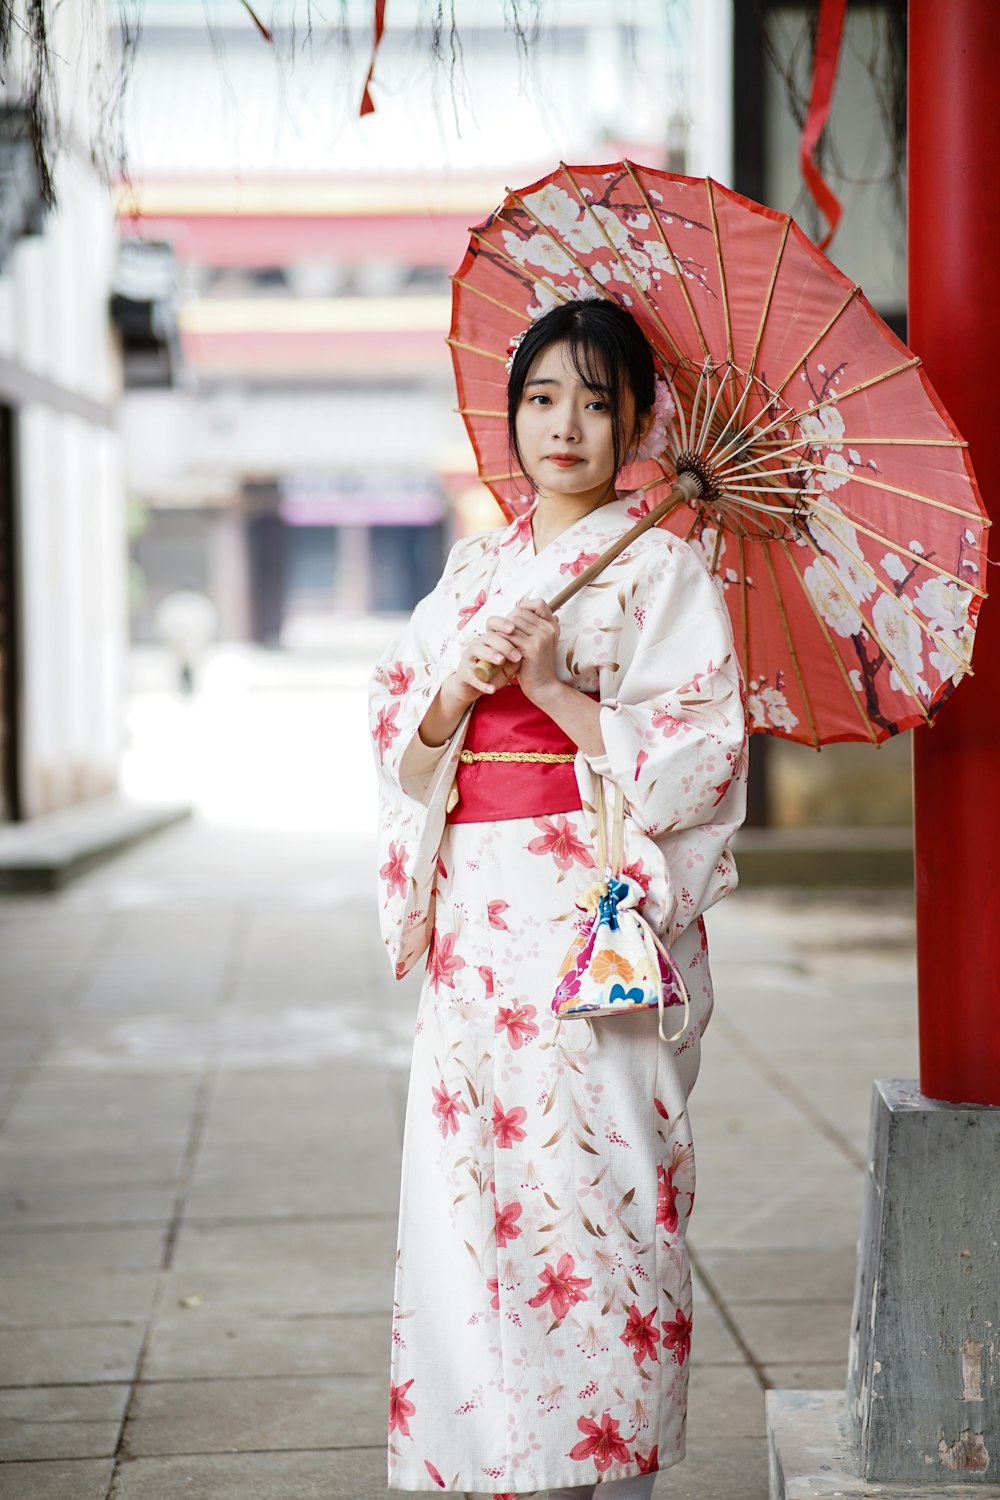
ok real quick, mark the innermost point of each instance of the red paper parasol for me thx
(840, 513)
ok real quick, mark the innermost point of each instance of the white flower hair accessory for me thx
(513, 347)
(658, 436)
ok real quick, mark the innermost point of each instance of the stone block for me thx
(924, 1373)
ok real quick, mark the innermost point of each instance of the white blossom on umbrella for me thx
(894, 567)
(824, 426)
(831, 598)
(943, 603)
(767, 705)
(901, 638)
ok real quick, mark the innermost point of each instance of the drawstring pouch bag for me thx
(616, 964)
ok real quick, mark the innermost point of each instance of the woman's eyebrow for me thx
(541, 380)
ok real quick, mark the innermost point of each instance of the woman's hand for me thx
(463, 687)
(534, 630)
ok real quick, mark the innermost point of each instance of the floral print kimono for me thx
(542, 1319)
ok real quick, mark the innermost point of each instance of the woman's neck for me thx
(555, 514)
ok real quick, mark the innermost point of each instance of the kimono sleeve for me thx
(675, 733)
(414, 778)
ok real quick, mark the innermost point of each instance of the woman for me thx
(543, 1303)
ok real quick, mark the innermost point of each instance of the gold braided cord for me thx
(533, 757)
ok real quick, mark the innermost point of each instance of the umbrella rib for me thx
(770, 293)
(710, 188)
(895, 489)
(468, 286)
(588, 208)
(801, 359)
(472, 349)
(938, 640)
(916, 557)
(791, 646)
(679, 274)
(746, 605)
(479, 411)
(880, 442)
(869, 624)
(865, 716)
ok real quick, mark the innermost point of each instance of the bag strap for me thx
(617, 831)
(648, 936)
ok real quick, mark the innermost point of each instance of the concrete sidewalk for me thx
(202, 1073)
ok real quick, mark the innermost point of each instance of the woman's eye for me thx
(542, 399)
(598, 406)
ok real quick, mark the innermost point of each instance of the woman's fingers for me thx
(494, 647)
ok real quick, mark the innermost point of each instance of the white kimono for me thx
(543, 1302)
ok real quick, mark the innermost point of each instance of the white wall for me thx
(72, 550)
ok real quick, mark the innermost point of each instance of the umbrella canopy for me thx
(839, 511)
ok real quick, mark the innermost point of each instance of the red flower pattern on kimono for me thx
(677, 1337)
(640, 1334)
(386, 729)
(486, 975)
(507, 1126)
(666, 1199)
(560, 1287)
(400, 679)
(518, 1023)
(559, 840)
(507, 1226)
(400, 1409)
(669, 723)
(448, 1107)
(434, 1474)
(649, 1464)
(442, 961)
(493, 1285)
(393, 872)
(495, 911)
(603, 1443)
(466, 613)
(581, 560)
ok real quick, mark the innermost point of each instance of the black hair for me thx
(610, 354)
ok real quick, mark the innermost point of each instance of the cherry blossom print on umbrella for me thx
(838, 514)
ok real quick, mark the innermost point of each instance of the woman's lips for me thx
(564, 460)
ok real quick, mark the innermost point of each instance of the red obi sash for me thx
(493, 790)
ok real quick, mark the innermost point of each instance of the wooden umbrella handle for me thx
(688, 487)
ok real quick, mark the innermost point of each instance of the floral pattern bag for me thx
(616, 964)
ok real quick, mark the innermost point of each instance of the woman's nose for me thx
(565, 424)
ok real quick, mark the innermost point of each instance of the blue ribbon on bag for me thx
(607, 910)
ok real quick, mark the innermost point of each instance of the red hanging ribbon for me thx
(367, 102)
(829, 33)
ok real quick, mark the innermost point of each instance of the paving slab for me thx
(126, 1248)
(69, 1479)
(783, 1275)
(198, 1342)
(220, 1416)
(725, 1399)
(343, 1474)
(142, 1203)
(72, 1295)
(361, 1251)
(60, 1421)
(86, 1353)
(780, 1332)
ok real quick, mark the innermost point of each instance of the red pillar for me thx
(954, 325)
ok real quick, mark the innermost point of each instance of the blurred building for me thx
(63, 557)
(301, 461)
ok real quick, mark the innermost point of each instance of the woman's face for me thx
(564, 430)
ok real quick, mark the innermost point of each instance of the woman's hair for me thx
(610, 354)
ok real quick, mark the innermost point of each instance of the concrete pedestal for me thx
(921, 1413)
